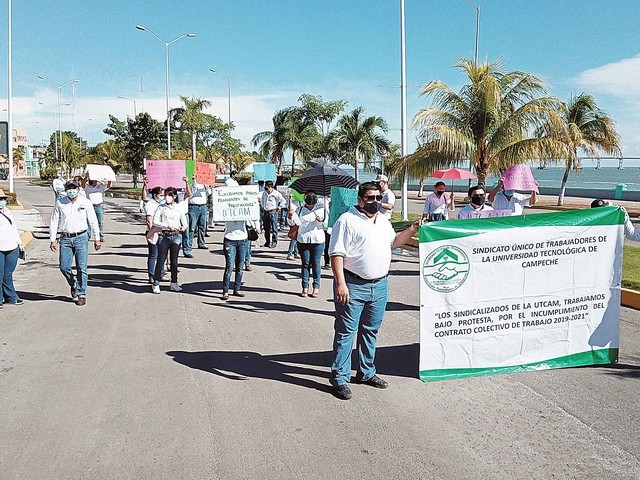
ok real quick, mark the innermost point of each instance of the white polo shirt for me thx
(516, 204)
(365, 243)
(95, 194)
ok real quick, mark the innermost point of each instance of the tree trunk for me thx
(355, 170)
(563, 185)
(293, 162)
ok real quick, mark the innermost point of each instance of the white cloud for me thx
(617, 78)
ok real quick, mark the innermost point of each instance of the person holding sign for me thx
(630, 231)
(477, 198)
(95, 192)
(503, 199)
(271, 202)
(235, 246)
(310, 239)
(172, 221)
(197, 216)
(361, 243)
(438, 204)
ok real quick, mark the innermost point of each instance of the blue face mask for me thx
(3, 203)
(72, 193)
(509, 193)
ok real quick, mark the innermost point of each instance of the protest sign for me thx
(235, 203)
(484, 214)
(264, 171)
(520, 293)
(190, 169)
(165, 173)
(285, 191)
(519, 177)
(101, 173)
(205, 173)
(342, 199)
(295, 195)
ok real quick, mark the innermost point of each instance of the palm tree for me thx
(191, 120)
(586, 128)
(272, 144)
(356, 137)
(491, 120)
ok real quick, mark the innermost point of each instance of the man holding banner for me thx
(361, 243)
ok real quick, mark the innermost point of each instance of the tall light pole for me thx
(55, 134)
(59, 87)
(135, 112)
(166, 80)
(9, 103)
(228, 88)
(403, 113)
(477, 7)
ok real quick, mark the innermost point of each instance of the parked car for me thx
(3, 176)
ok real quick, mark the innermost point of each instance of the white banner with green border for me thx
(520, 293)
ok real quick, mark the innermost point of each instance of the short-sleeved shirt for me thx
(437, 205)
(95, 194)
(387, 197)
(469, 208)
(365, 243)
(516, 204)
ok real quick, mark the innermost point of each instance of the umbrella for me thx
(322, 178)
(453, 174)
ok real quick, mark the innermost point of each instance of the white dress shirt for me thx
(170, 217)
(272, 201)
(72, 217)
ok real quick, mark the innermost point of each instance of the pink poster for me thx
(165, 173)
(519, 177)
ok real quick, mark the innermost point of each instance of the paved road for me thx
(186, 386)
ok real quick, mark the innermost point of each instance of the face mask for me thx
(509, 193)
(72, 193)
(478, 200)
(310, 199)
(168, 199)
(439, 193)
(371, 208)
(3, 203)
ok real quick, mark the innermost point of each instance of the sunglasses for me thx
(372, 198)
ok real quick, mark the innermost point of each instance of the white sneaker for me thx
(175, 287)
(156, 289)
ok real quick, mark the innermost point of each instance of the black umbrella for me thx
(322, 178)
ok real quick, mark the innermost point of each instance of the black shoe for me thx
(343, 392)
(374, 381)
(188, 255)
(238, 294)
(207, 235)
(225, 296)
(17, 302)
(204, 247)
(74, 295)
(265, 245)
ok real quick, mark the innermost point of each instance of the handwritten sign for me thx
(165, 173)
(205, 173)
(519, 177)
(484, 214)
(236, 203)
(101, 173)
(342, 199)
(264, 171)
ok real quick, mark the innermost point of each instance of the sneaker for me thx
(225, 296)
(343, 392)
(290, 257)
(188, 255)
(155, 289)
(175, 287)
(74, 295)
(374, 381)
(238, 294)
(81, 302)
(248, 268)
(296, 256)
(17, 302)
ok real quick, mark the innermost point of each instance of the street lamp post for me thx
(135, 111)
(55, 134)
(166, 55)
(228, 89)
(59, 87)
(477, 7)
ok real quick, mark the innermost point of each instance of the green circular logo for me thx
(445, 269)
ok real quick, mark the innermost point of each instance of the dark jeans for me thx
(167, 245)
(152, 257)
(270, 222)
(197, 221)
(311, 254)
(8, 262)
(235, 252)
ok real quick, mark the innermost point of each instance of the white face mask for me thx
(168, 198)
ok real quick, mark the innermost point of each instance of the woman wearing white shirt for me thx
(310, 218)
(173, 222)
(235, 246)
(10, 247)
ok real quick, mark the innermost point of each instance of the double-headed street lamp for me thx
(228, 88)
(166, 55)
(135, 112)
(59, 87)
(55, 134)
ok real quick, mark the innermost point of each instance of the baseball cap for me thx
(598, 202)
(382, 178)
(71, 184)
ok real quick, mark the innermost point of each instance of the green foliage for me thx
(631, 268)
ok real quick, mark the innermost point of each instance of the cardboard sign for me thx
(236, 203)
(264, 171)
(101, 173)
(342, 199)
(520, 293)
(165, 173)
(484, 214)
(519, 177)
(205, 173)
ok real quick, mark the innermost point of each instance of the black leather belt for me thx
(73, 234)
(349, 274)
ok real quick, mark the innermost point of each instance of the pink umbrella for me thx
(453, 174)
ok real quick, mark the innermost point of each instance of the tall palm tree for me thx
(191, 121)
(587, 128)
(272, 144)
(491, 120)
(357, 137)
